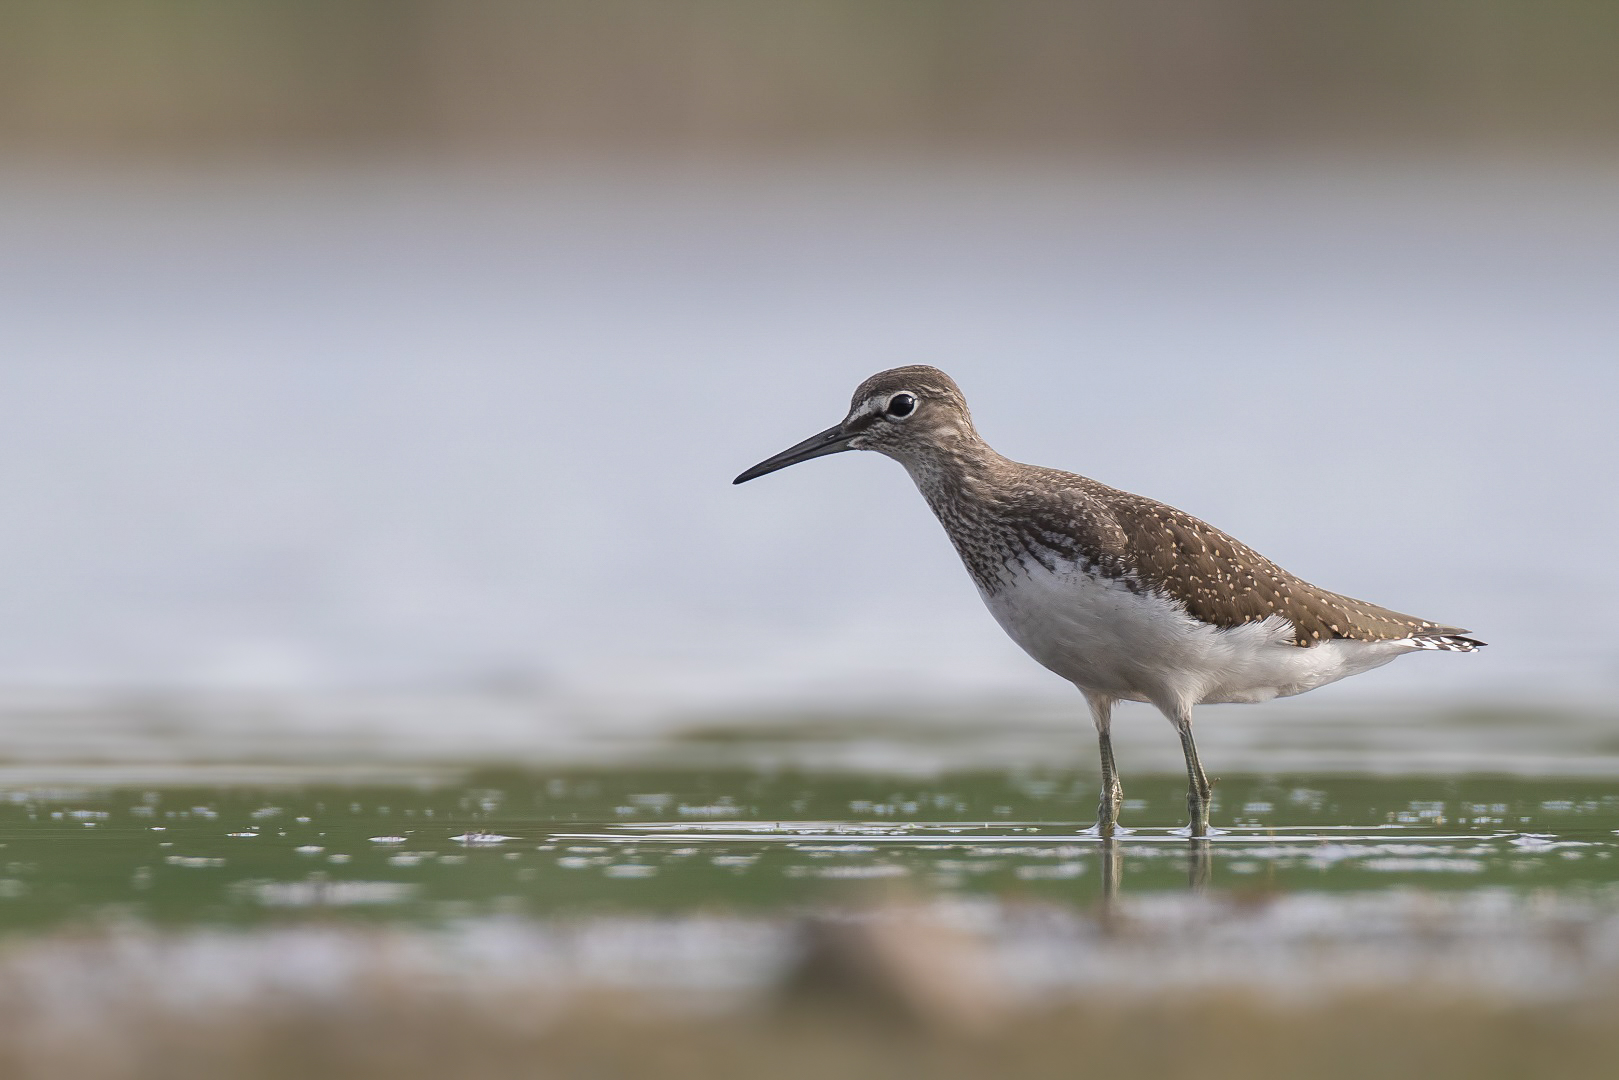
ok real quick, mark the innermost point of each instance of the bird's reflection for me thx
(1107, 909)
(1198, 865)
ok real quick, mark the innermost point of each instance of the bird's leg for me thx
(1107, 812)
(1198, 790)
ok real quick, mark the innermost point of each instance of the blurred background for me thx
(402, 348)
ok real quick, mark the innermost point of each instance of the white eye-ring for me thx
(901, 405)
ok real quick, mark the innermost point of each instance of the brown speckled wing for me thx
(1226, 583)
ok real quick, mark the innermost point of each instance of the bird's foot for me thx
(1197, 816)
(1107, 831)
(1107, 812)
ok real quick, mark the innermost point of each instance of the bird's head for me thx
(906, 413)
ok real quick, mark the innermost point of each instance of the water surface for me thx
(585, 842)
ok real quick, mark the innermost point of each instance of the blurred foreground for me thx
(406, 1033)
(391, 1020)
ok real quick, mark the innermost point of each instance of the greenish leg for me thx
(1198, 789)
(1107, 812)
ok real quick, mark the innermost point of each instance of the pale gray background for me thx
(416, 429)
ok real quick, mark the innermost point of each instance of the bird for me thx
(1125, 597)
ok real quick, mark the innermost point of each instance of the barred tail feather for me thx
(1444, 642)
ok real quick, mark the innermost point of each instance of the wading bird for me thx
(1125, 597)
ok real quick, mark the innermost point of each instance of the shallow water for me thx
(587, 842)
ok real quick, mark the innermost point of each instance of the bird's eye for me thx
(901, 405)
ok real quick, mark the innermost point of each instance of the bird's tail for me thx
(1445, 642)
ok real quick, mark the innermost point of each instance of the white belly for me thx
(1141, 647)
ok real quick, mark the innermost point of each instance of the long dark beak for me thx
(834, 440)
